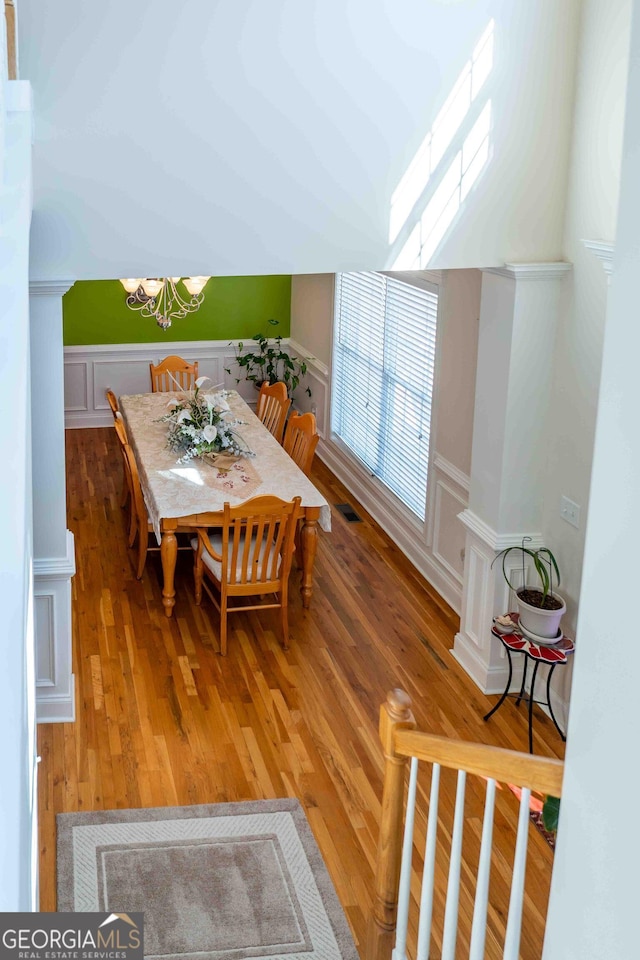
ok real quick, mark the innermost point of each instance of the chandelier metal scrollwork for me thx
(159, 297)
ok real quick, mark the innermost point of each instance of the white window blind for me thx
(384, 355)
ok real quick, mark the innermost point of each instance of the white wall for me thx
(18, 840)
(247, 137)
(591, 214)
(593, 911)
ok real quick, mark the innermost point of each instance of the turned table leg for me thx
(168, 555)
(309, 544)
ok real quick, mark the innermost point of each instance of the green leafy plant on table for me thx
(540, 608)
(269, 363)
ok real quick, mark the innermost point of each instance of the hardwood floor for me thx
(162, 719)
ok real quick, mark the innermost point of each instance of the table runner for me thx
(178, 490)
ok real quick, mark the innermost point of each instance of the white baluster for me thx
(453, 886)
(479, 926)
(426, 894)
(514, 920)
(399, 951)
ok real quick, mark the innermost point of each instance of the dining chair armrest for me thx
(203, 541)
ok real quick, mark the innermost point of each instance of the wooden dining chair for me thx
(121, 433)
(301, 439)
(173, 373)
(112, 400)
(273, 406)
(249, 555)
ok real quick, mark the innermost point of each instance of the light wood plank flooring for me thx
(162, 719)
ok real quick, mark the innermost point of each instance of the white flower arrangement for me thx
(202, 424)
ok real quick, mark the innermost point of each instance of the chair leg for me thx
(143, 542)
(223, 625)
(124, 496)
(133, 525)
(197, 578)
(284, 618)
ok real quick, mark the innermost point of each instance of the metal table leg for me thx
(531, 702)
(549, 702)
(506, 689)
(524, 680)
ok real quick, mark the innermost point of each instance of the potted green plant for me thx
(269, 363)
(540, 607)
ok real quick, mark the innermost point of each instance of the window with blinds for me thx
(384, 356)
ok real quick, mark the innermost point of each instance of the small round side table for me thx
(554, 655)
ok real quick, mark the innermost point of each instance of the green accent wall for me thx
(95, 311)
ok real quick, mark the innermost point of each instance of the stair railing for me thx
(387, 934)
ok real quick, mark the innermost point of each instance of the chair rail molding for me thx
(124, 367)
(604, 251)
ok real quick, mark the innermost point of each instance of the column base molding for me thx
(55, 682)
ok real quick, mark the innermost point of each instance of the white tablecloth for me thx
(175, 490)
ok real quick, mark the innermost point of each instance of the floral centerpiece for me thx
(201, 424)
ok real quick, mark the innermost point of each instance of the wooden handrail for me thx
(543, 774)
(12, 60)
(400, 741)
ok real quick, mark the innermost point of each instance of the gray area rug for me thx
(225, 880)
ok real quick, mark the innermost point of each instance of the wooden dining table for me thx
(176, 494)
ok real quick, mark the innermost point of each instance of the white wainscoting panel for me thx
(76, 392)
(124, 368)
(55, 685)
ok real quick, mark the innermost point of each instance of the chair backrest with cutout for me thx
(173, 374)
(272, 408)
(301, 439)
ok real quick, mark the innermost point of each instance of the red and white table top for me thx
(557, 652)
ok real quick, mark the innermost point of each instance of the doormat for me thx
(224, 881)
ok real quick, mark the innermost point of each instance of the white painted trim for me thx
(450, 470)
(49, 288)
(57, 568)
(18, 96)
(497, 541)
(553, 270)
(55, 690)
(407, 534)
(159, 348)
(490, 679)
(604, 251)
(313, 362)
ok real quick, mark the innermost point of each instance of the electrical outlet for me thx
(570, 511)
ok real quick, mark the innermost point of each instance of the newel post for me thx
(395, 714)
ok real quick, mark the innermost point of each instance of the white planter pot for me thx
(544, 623)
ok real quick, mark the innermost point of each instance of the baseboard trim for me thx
(57, 709)
(390, 518)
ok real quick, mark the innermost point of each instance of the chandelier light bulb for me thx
(152, 287)
(195, 285)
(174, 279)
(131, 284)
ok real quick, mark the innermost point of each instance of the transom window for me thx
(384, 356)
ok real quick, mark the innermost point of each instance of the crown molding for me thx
(497, 541)
(49, 288)
(548, 270)
(604, 251)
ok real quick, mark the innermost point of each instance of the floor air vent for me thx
(348, 512)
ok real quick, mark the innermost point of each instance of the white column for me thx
(54, 560)
(593, 907)
(518, 314)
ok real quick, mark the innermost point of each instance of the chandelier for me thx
(159, 297)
